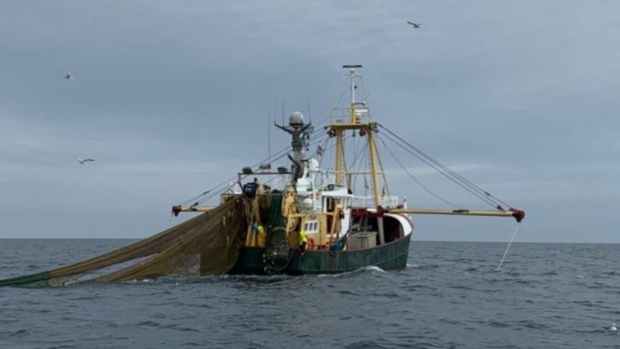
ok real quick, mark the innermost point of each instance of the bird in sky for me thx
(415, 25)
(82, 161)
(68, 77)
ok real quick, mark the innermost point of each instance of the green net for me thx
(208, 244)
(277, 250)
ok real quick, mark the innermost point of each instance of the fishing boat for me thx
(346, 211)
(324, 211)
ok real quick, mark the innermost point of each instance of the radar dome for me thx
(307, 203)
(296, 119)
(313, 166)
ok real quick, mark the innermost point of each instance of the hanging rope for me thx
(508, 247)
(448, 170)
(415, 179)
(445, 171)
(357, 157)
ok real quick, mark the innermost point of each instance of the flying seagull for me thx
(68, 77)
(415, 25)
(82, 161)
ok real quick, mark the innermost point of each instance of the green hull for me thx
(390, 256)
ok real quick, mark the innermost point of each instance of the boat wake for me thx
(363, 270)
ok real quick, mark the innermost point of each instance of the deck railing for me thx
(369, 201)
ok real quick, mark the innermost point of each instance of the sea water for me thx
(449, 296)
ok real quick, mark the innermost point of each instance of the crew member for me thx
(259, 185)
(303, 241)
(262, 237)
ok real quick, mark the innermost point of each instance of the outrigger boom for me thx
(178, 209)
(517, 214)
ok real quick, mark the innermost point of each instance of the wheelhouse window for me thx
(312, 227)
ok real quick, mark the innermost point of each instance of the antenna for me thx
(308, 105)
(352, 78)
(275, 109)
(269, 138)
(283, 113)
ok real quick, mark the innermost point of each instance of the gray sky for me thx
(172, 98)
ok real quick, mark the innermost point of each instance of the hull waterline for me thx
(391, 256)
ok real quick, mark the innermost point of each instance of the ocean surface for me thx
(449, 296)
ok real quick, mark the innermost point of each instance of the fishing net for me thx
(277, 251)
(208, 244)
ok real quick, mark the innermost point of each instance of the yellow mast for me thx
(340, 128)
(382, 172)
(341, 162)
(373, 167)
(339, 152)
(355, 123)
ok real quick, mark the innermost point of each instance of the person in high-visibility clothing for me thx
(262, 236)
(303, 241)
